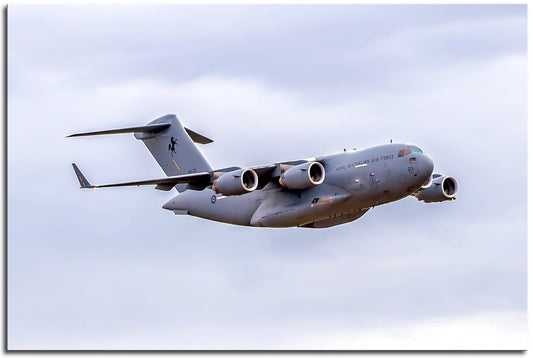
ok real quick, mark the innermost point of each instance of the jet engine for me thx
(443, 188)
(427, 184)
(237, 182)
(303, 176)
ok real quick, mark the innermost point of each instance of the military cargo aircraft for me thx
(318, 192)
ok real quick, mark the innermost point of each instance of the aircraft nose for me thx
(426, 166)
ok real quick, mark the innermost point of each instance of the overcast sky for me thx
(110, 269)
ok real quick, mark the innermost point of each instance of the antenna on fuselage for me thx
(391, 140)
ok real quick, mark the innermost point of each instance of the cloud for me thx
(482, 331)
(283, 46)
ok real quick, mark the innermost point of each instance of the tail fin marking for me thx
(174, 148)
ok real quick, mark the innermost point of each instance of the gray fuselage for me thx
(354, 182)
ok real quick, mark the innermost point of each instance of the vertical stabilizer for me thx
(174, 149)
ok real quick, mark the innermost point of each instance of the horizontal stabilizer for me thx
(158, 127)
(197, 137)
(196, 179)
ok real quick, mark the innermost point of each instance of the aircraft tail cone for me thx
(172, 205)
(169, 205)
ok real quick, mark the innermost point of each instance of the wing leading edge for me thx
(196, 181)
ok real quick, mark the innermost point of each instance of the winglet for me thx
(84, 183)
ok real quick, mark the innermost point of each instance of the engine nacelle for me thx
(303, 176)
(443, 188)
(427, 184)
(237, 182)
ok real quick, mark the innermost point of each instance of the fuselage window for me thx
(401, 153)
(408, 151)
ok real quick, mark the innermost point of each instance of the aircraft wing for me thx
(196, 179)
(264, 169)
(268, 172)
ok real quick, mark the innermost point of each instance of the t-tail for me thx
(171, 144)
(173, 147)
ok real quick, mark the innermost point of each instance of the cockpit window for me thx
(410, 149)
